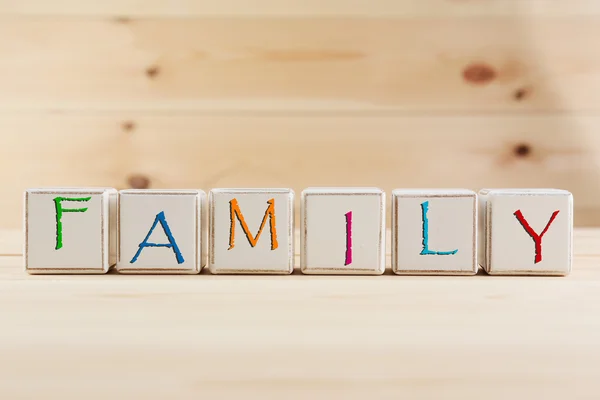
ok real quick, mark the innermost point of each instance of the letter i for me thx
(348, 238)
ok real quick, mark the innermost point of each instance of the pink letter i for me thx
(348, 238)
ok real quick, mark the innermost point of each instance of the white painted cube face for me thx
(434, 232)
(160, 231)
(343, 231)
(70, 231)
(251, 231)
(527, 232)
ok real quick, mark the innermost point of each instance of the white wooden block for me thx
(434, 232)
(161, 231)
(526, 231)
(343, 231)
(251, 231)
(70, 230)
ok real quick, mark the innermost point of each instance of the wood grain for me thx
(410, 8)
(284, 64)
(197, 151)
(298, 337)
(406, 93)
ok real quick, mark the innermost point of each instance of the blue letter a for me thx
(426, 251)
(160, 217)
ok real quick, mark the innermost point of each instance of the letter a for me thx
(270, 214)
(537, 239)
(426, 251)
(59, 212)
(160, 217)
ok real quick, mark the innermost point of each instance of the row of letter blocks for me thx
(343, 231)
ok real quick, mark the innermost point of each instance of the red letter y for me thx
(537, 239)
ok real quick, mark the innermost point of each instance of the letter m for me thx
(235, 212)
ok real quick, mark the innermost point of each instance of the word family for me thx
(342, 231)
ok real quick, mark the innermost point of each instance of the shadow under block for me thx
(70, 230)
(434, 232)
(343, 231)
(251, 231)
(161, 231)
(526, 231)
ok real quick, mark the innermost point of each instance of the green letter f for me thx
(59, 212)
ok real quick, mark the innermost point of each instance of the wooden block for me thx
(343, 231)
(70, 231)
(161, 231)
(434, 232)
(251, 231)
(526, 231)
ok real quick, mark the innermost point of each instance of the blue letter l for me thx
(426, 251)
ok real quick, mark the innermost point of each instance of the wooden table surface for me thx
(286, 337)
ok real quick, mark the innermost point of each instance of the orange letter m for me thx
(270, 213)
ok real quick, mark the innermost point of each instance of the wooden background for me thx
(293, 93)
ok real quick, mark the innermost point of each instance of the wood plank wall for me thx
(293, 93)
